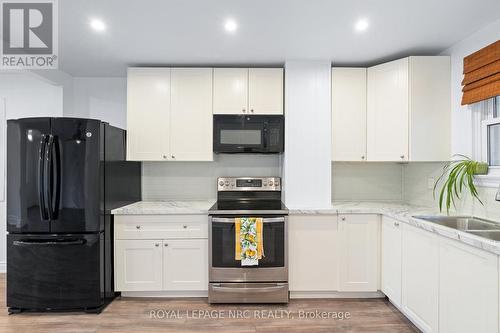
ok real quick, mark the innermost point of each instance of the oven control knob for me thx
(270, 183)
(227, 183)
(221, 183)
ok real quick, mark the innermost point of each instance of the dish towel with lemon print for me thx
(249, 247)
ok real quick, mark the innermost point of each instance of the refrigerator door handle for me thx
(50, 242)
(54, 202)
(49, 173)
(41, 178)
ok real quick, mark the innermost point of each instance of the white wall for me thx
(461, 132)
(100, 98)
(307, 160)
(26, 95)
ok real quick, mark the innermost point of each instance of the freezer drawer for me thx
(54, 272)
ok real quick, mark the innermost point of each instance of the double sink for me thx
(472, 225)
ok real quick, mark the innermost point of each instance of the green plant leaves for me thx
(457, 176)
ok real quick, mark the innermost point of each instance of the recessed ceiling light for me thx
(97, 25)
(361, 25)
(230, 25)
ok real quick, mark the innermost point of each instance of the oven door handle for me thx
(219, 287)
(265, 219)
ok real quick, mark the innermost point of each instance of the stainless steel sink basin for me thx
(473, 225)
(493, 235)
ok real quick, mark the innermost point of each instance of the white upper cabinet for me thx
(265, 90)
(169, 114)
(430, 108)
(391, 259)
(191, 114)
(408, 110)
(359, 252)
(387, 111)
(230, 90)
(148, 113)
(248, 91)
(420, 277)
(348, 114)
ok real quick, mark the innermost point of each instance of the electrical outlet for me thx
(430, 183)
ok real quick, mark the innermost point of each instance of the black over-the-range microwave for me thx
(262, 134)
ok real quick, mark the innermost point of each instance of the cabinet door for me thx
(148, 114)
(230, 90)
(185, 264)
(359, 252)
(348, 114)
(391, 259)
(265, 90)
(191, 114)
(312, 249)
(468, 289)
(387, 111)
(138, 265)
(420, 277)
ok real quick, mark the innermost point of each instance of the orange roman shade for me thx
(481, 74)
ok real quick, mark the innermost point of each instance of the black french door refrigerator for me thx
(64, 175)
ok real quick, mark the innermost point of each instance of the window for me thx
(486, 135)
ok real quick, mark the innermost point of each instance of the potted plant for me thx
(458, 175)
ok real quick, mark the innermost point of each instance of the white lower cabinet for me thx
(185, 264)
(359, 252)
(177, 262)
(313, 254)
(420, 277)
(391, 260)
(138, 265)
(468, 289)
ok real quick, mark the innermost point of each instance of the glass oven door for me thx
(223, 243)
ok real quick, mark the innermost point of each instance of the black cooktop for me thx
(249, 207)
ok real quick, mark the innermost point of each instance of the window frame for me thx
(492, 179)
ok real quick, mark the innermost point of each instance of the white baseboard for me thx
(3, 267)
(164, 293)
(335, 294)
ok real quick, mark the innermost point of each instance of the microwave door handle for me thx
(266, 137)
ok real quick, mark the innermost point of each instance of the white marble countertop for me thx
(404, 213)
(165, 208)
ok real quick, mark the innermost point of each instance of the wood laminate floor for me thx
(183, 315)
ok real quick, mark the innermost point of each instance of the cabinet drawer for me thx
(161, 226)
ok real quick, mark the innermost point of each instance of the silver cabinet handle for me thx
(138, 227)
(165, 156)
(402, 156)
(173, 156)
(157, 245)
(185, 226)
(396, 224)
(166, 245)
(343, 218)
(244, 110)
(363, 157)
(251, 110)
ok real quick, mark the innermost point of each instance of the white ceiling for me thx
(191, 32)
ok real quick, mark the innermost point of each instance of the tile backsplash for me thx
(417, 191)
(197, 180)
(361, 181)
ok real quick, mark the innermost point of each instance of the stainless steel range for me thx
(229, 281)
